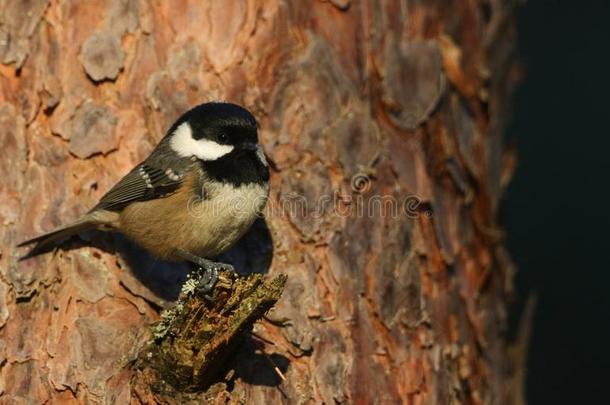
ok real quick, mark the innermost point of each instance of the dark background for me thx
(556, 210)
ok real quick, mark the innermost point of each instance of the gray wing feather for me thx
(143, 183)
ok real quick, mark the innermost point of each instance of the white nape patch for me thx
(261, 155)
(183, 144)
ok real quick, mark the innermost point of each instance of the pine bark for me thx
(382, 121)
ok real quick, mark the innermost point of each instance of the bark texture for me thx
(359, 103)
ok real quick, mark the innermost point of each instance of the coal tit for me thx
(197, 193)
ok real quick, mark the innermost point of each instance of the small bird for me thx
(195, 195)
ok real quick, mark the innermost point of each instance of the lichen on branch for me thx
(194, 338)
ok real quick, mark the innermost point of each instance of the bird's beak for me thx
(249, 146)
(255, 147)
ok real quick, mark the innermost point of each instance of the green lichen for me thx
(193, 339)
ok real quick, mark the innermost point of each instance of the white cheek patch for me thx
(184, 145)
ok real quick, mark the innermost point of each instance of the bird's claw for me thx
(207, 280)
(209, 275)
(206, 272)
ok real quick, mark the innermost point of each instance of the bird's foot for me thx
(206, 272)
(206, 279)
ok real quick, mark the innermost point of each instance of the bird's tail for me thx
(45, 241)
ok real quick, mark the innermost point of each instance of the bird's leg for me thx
(210, 270)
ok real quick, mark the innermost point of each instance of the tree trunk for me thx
(382, 121)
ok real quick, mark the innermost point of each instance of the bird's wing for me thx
(144, 182)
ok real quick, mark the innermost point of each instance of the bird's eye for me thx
(222, 137)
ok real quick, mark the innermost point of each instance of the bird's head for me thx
(212, 131)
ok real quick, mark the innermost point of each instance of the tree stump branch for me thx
(184, 360)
